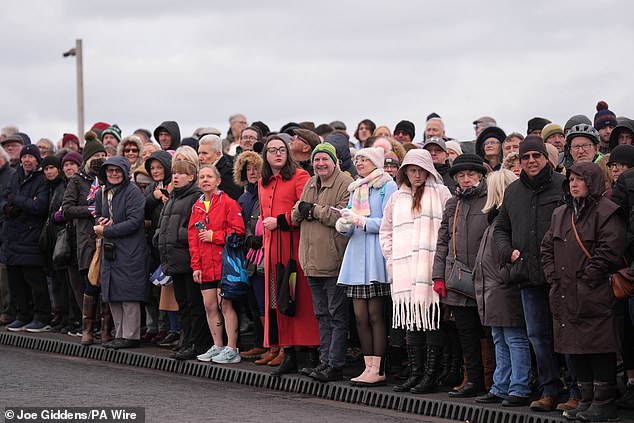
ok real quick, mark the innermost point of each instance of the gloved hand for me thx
(306, 209)
(10, 198)
(58, 217)
(352, 217)
(440, 288)
(11, 211)
(342, 226)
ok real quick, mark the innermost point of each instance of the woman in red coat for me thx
(214, 216)
(279, 189)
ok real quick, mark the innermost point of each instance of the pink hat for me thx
(375, 154)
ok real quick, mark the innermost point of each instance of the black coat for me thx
(24, 202)
(523, 220)
(6, 173)
(171, 235)
(75, 207)
(227, 185)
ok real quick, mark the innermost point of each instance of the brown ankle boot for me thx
(88, 317)
(106, 323)
(279, 359)
(268, 356)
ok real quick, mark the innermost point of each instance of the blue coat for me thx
(363, 261)
(126, 277)
(27, 198)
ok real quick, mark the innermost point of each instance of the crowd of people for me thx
(483, 266)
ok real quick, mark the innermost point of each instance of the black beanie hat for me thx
(51, 161)
(467, 162)
(32, 150)
(407, 126)
(533, 143)
(537, 123)
(623, 153)
(92, 146)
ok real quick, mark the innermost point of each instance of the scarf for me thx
(360, 190)
(415, 304)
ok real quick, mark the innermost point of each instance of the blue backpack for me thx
(234, 283)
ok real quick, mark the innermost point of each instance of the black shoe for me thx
(185, 353)
(329, 374)
(513, 401)
(112, 344)
(171, 340)
(489, 398)
(289, 365)
(572, 414)
(127, 343)
(627, 400)
(599, 413)
(470, 390)
(307, 371)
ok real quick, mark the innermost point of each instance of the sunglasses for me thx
(529, 156)
(131, 150)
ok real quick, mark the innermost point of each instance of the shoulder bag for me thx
(460, 279)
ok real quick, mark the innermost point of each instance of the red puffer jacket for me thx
(224, 217)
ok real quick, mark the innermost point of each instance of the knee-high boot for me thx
(429, 382)
(88, 317)
(106, 323)
(415, 358)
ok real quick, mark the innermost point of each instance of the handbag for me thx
(460, 279)
(94, 270)
(621, 281)
(234, 282)
(286, 281)
(159, 278)
(44, 241)
(61, 252)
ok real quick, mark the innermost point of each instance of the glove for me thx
(306, 209)
(11, 197)
(355, 219)
(440, 288)
(11, 211)
(342, 226)
(58, 217)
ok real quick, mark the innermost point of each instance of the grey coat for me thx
(126, 277)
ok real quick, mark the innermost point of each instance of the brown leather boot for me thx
(279, 359)
(488, 362)
(268, 356)
(465, 379)
(88, 317)
(106, 323)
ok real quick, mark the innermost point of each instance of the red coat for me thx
(224, 217)
(278, 198)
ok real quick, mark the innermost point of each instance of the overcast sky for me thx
(197, 62)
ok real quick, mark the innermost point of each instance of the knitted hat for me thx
(467, 162)
(73, 156)
(436, 141)
(604, 117)
(32, 150)
(392, 158)
(375, 154)
(51, 161)
(536, 123)
(533, 143)
(455, 146)
(551, 129)
(576, 120)
(623, 154)
(113, 130)
(66, 138)
(407, 126)
(325, 147)
(92, 146)
(308, 136)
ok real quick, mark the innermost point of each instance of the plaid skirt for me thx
(364, 292)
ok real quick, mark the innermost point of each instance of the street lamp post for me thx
(77, 52)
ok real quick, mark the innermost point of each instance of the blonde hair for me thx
(213, 168)
(508, 160)
(496, 185)
(185, 152)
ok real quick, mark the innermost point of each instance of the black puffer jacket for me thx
(524, 218)
(171, 235)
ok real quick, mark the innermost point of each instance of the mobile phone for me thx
(200, 226)
(165, 192)
(336, 210)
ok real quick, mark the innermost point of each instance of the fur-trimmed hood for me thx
(132, 139)
(239, 167)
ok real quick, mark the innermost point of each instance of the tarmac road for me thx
(35, 379)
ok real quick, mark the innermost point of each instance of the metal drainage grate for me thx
(292, 384)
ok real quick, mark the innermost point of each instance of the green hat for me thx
(113, 130)
(325, 147)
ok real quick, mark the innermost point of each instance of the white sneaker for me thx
(211, 353)
(227, 356)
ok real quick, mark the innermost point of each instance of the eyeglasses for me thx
(131, 150)
(529, 156)
(491, 142)
(278, 150)
(113, 170)
(584, 147)
(249, 138)
(619, 166)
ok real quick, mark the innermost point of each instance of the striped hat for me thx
(325, 147)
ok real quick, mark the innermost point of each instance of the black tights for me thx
(371, 325)
(595, 367)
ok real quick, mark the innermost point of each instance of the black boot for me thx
(587, 394)
(289, 365)
(416, 358)
(603, 408)
(428, 383)
(455, 375)
(445, 366)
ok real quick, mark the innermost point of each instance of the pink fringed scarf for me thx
(360, 190)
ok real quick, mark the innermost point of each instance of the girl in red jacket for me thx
(214, 216)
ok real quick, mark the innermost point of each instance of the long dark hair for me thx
(417, 195)
(287, 171)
